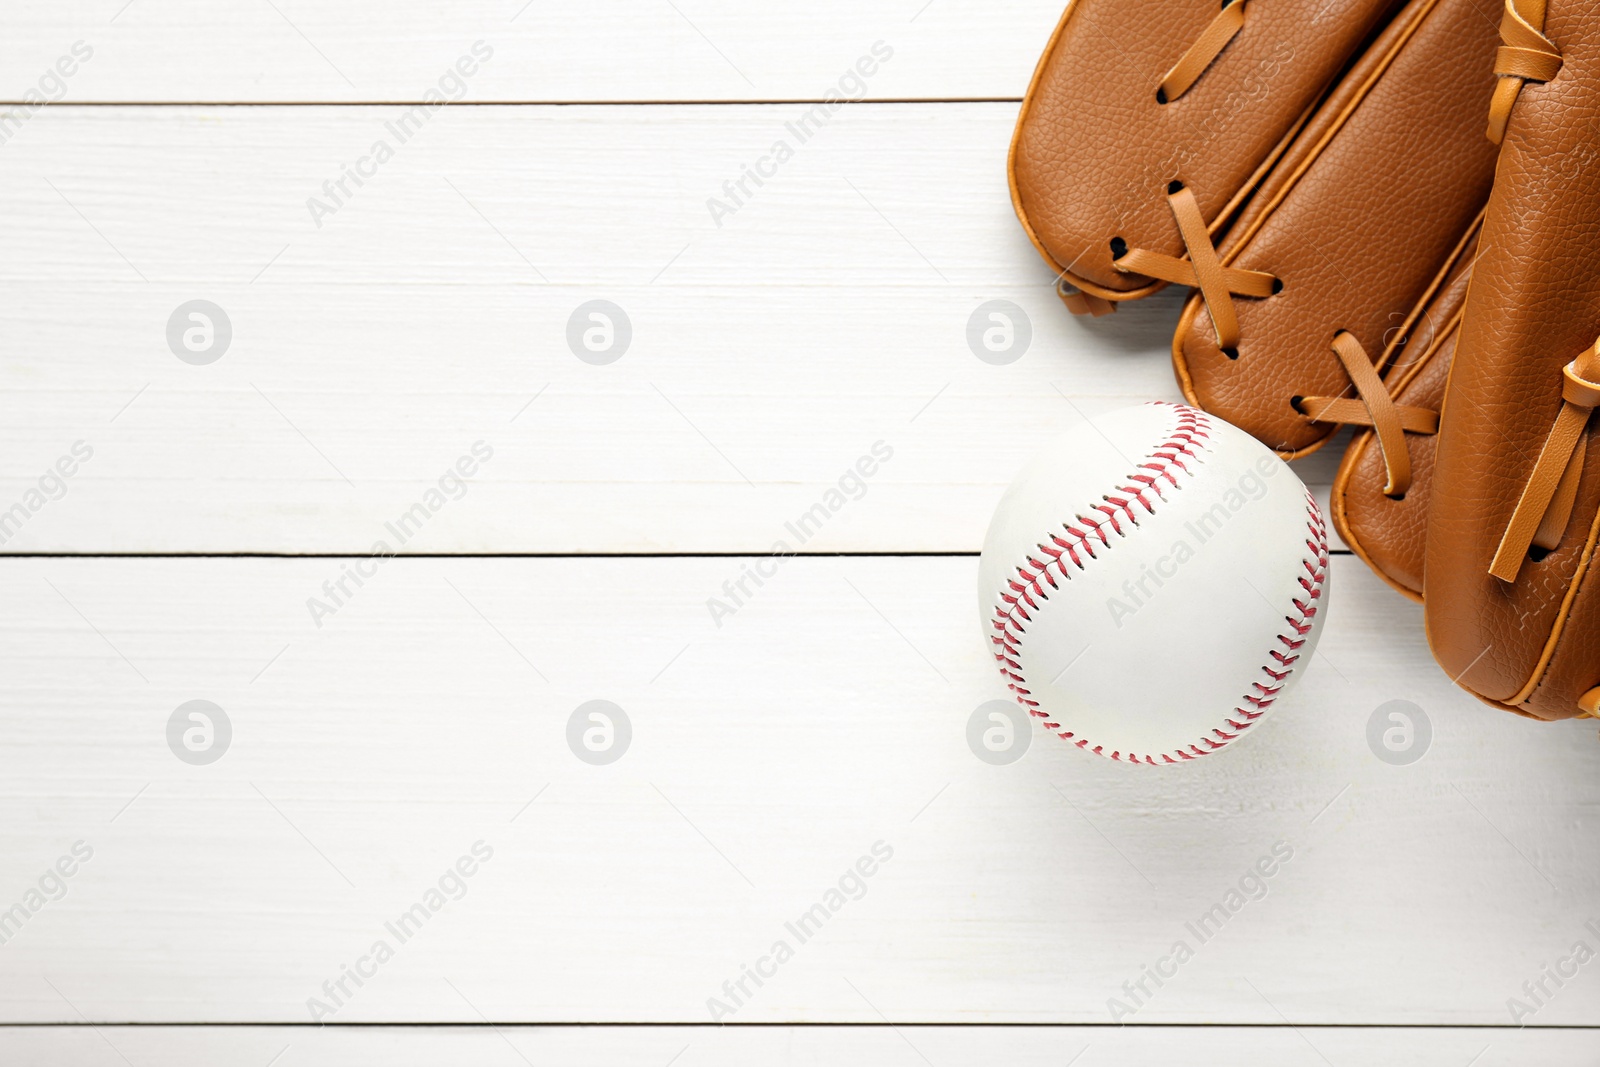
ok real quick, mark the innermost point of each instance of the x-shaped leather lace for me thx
(1202, 269)
(1223, 27)
(1526, 55)
(1212, 40)
(1373, 406)
(1541, 514)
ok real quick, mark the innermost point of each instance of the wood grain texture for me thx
(188, 51)
(768, 755)
(768, 353)
(776, 339)
(1200, 1046)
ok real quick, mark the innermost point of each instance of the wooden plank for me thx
(610, 50)
(828, 714)
(811, 1046)
(768, 354)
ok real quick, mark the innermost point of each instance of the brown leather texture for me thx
(1094, 149)
(1390, 533)
(1531, 645)
(1355, 225)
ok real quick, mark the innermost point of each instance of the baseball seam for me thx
(1059, 555)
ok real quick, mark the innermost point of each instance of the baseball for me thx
(1153, 583)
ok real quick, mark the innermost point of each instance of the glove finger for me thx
(1378, 197)
(1389, 532)
(1527, 636)
(1096, 147)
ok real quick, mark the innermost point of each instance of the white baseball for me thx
(1153, 583)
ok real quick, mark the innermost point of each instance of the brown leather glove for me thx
(1388, 530)
(1355, 235)
(1345, 251)
(1372, 236)
(1132, 96)
(1512, 609)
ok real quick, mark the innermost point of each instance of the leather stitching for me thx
(1059, 556)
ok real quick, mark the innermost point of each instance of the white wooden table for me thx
(820, 717)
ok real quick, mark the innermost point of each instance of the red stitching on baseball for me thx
(1189, 436)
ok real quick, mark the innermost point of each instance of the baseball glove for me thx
(1333, 273)
(1149, 123)
(1512, 608)
(1388, 530)
(1354, 236)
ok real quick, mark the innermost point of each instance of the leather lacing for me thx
(1081, 303)
(1373, 406)
(1545, 506)
(1221, 30)
(1526, 55)
(1212, 40)
(1541, 514)
(1202, 269)
(1546, 503)
(1218, 285)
